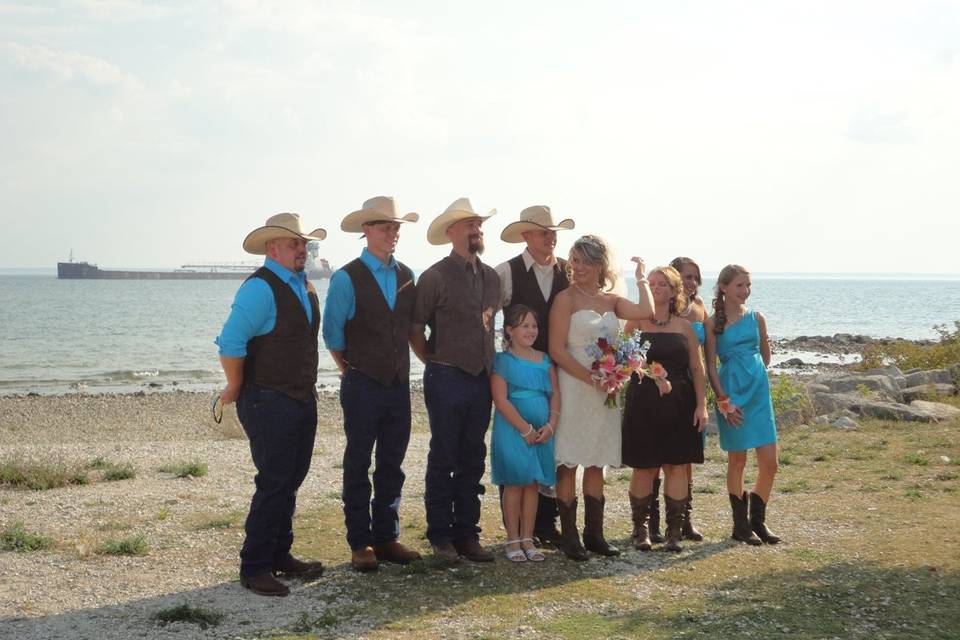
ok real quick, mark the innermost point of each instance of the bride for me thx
(588, 433)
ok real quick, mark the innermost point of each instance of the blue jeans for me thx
(378, 416)
(459, 406)
(281, 432)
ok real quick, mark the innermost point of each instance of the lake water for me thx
(101, 335)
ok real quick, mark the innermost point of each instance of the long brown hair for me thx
(681, 262)
(727, 274)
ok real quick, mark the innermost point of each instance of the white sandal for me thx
(533, 555)
(517, 555)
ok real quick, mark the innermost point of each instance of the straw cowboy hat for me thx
(533, 218)
(282, 225)
(461, 209)
(379, 209)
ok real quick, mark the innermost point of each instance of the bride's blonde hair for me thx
(595, 251)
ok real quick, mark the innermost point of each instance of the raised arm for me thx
(560, 314)
(643, 308)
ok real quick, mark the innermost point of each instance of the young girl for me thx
(526, 396)
(738, 337)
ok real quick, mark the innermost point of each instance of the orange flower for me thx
(657, 370)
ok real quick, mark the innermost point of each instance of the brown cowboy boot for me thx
(741, 525)
(593, 538)
(688, 532)
(570, 543)
(674, 523)
(640, 509)
(758, 516)
(655, 535)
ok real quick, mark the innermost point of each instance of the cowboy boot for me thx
(741, 524)
(570, 538)
(655, 513)
(688, 532)
(758, 516)
(640, 509)
(593, 538)
(674, 510)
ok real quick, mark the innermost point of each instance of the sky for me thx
(801, 136)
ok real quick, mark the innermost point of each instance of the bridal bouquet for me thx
(614, 359)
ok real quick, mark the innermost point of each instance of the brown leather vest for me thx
(285, 359)
(377, 336)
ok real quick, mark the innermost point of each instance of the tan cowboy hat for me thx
(379, 209)
(461, 209)
(282, 225)
(534, 218)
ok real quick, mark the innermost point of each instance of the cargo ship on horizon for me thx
(316, 269)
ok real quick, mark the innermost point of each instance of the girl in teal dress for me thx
(527, 400)
(738, 337)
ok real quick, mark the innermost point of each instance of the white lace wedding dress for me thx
(588, 433)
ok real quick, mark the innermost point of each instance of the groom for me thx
(534, 278)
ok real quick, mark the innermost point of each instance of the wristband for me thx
(530, 431)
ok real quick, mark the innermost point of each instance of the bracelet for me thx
(554, 413)
(642, 279)
(530, 431)
(552, 430)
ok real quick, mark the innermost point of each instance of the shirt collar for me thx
(461, 261)
(282, 272)
(528, 262)
(374, 263)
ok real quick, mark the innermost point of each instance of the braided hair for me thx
(727, 275)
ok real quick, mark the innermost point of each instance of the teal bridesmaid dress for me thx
(513, 461)
(744, 378)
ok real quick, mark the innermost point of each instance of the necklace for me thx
(595, 295)
(661, 323)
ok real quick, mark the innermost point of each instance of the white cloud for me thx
(70, 65)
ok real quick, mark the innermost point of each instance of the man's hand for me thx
(229, 394)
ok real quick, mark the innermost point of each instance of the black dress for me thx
(659, 430)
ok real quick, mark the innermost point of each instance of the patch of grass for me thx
(799, 485)
(945, 476)
(131, 546)
(204, 618)
(786, 458)
(705, 488)
(891, 475)
(16, 538)
(186, 469)
(918, 458)
(123, 471)
(98, 463)
(162, 514)
(914, 493)
(306, 623)
(40, 475)
(821, 457)
(219, 522)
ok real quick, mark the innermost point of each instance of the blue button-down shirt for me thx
(341, 304)
(254, 310)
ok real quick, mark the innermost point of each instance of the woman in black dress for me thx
(662, 423)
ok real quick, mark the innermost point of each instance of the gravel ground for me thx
(71, 592)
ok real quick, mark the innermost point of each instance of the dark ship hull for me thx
(87, 271)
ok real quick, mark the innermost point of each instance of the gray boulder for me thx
(880, 384)
(866, 407)
(891, 372)
(918, 393)
(937, 410)
(933, 376)
(845, 423)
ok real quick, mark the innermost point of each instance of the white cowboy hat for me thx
(461, 209)
(533, 218)
(379, 209)
(282, 225)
